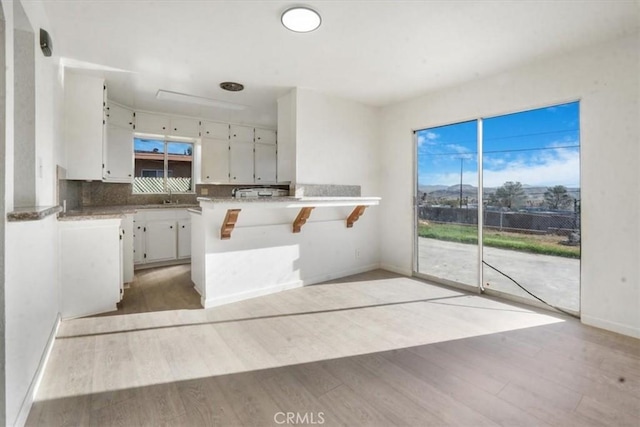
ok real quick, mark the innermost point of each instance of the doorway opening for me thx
(159, 289)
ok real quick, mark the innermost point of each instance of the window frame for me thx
(166, 140)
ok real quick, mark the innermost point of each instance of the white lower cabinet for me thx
(127, 249)
(184, 238)
(161, 235)
(160, 241)
(90, 266)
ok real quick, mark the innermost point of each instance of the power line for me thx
(504, 151)
(531, 134)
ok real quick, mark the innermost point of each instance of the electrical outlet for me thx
(357, 253)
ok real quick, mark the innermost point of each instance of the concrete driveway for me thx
(554, 279)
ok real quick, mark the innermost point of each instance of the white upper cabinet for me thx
(119, 116)
(118, 144)
(181, 126)
(215, 160)
(265, 136)
(159, 124)
(265, 163)
(241, 162)
(215, 130)
(152, 123)
(84, 106)
(241, 133)
(118, 159)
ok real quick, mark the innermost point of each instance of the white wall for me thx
(336, 142)
(264, 256)
(32, 295)
(606, 79)
(31, 269)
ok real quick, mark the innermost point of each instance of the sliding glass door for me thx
(447, 203)
(531, 234)
(529, 209)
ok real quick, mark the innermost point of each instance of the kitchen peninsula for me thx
(243, 248)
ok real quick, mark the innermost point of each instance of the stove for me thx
(240, 193)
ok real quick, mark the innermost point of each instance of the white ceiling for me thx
(374, 52)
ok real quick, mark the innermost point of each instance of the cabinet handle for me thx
(171, 226)
(183, 226)
(163, 128)
(207, 132)
(129, 174)
(175, 128)
(259, 178)
(109, 172)
(207, 176)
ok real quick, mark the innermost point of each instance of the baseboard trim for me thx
(241, 296)
(27, 403)
(344, 273)
(180, 261)
(619, 328)
(396, 269)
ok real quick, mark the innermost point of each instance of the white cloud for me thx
(562, 169)
(427, 137)
(555, 167)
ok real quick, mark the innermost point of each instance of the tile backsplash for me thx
(80, 194)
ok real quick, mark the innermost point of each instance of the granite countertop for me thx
(117, 211)
(32, 213)
(296, 201)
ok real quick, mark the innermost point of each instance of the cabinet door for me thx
(184, 238)
(84, 98)
(138, 242)
(215, 160)
(128, 248)
(119, 116)
(241, 162)
(119, 154)
(160, 240)
(215, 130)
(152, 123)
(185, 127)
(241, 133)
(265, 162)
(265, 136)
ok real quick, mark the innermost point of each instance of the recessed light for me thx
(301, 19)
(232, 86)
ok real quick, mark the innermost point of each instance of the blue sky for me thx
(140, 144)
(538, 148)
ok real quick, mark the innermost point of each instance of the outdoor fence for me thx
(156, 185)
(527, 222)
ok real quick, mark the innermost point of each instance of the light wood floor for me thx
(159, 289)
(373, 349)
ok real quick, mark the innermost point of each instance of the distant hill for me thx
(452, 192)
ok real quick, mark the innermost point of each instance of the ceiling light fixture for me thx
(198, 100)
(301, 19)
(232, 86)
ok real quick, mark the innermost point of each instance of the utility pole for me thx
(461, 160)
